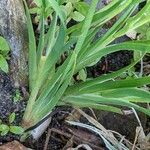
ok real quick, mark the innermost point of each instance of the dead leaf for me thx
(14, 145)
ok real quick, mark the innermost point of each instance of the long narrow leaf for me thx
(50, 102)
(93, 98)
(133, 94)
(103, 78)
(142, 46)
(32, 50)
(50, 37)
(86, 25)
(41, 40)
(108, 36)
(57, 9)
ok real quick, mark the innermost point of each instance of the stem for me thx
(27, 114)
(27, 118)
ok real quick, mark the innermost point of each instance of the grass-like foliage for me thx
(51, 86)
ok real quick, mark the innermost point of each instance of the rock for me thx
(99, 5)
(14, 145)
(13, 28)
(6, 92)
(8, 106)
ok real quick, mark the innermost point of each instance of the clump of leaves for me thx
(75, 9)
(4, 49)
(5, 128)
(50, 85)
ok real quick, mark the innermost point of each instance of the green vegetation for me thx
(144, 31)
(6, 128)
(50, 86)
(4, 49)
(17, 97)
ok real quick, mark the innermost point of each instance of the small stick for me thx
(47, 139)
(135, 140)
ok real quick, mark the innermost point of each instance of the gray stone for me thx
(13, 28)
(99, 5)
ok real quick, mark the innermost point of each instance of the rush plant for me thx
(50, 86)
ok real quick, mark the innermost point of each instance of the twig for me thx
(93, 113)
(69, 143)
(76, 138)
(135, 140)
(137, 117)
(47, 139)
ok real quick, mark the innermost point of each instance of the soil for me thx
(8, 106)
(110, 63)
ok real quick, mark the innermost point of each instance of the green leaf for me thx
(3, 44)
(35, 10)
(47, 103)
(141, 18)
(82, 7)
(68, 8)
(54, 54)
(40, 47)
(17, 97)
(107, 38)
(141, 46)
(3, 133)
(108, 12)
(137, 55)
(50, 36)
(12, 117)
(60, 13)
(4, 129)
(82, 75)
(16, 130)
(51, 88)
(90, 104)
(32, 49)
(89, 99)
(3, 64)
(77, 16)
(86, 26)
(148, 34)
(133, 94)
(108, 85)
(106, 77)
